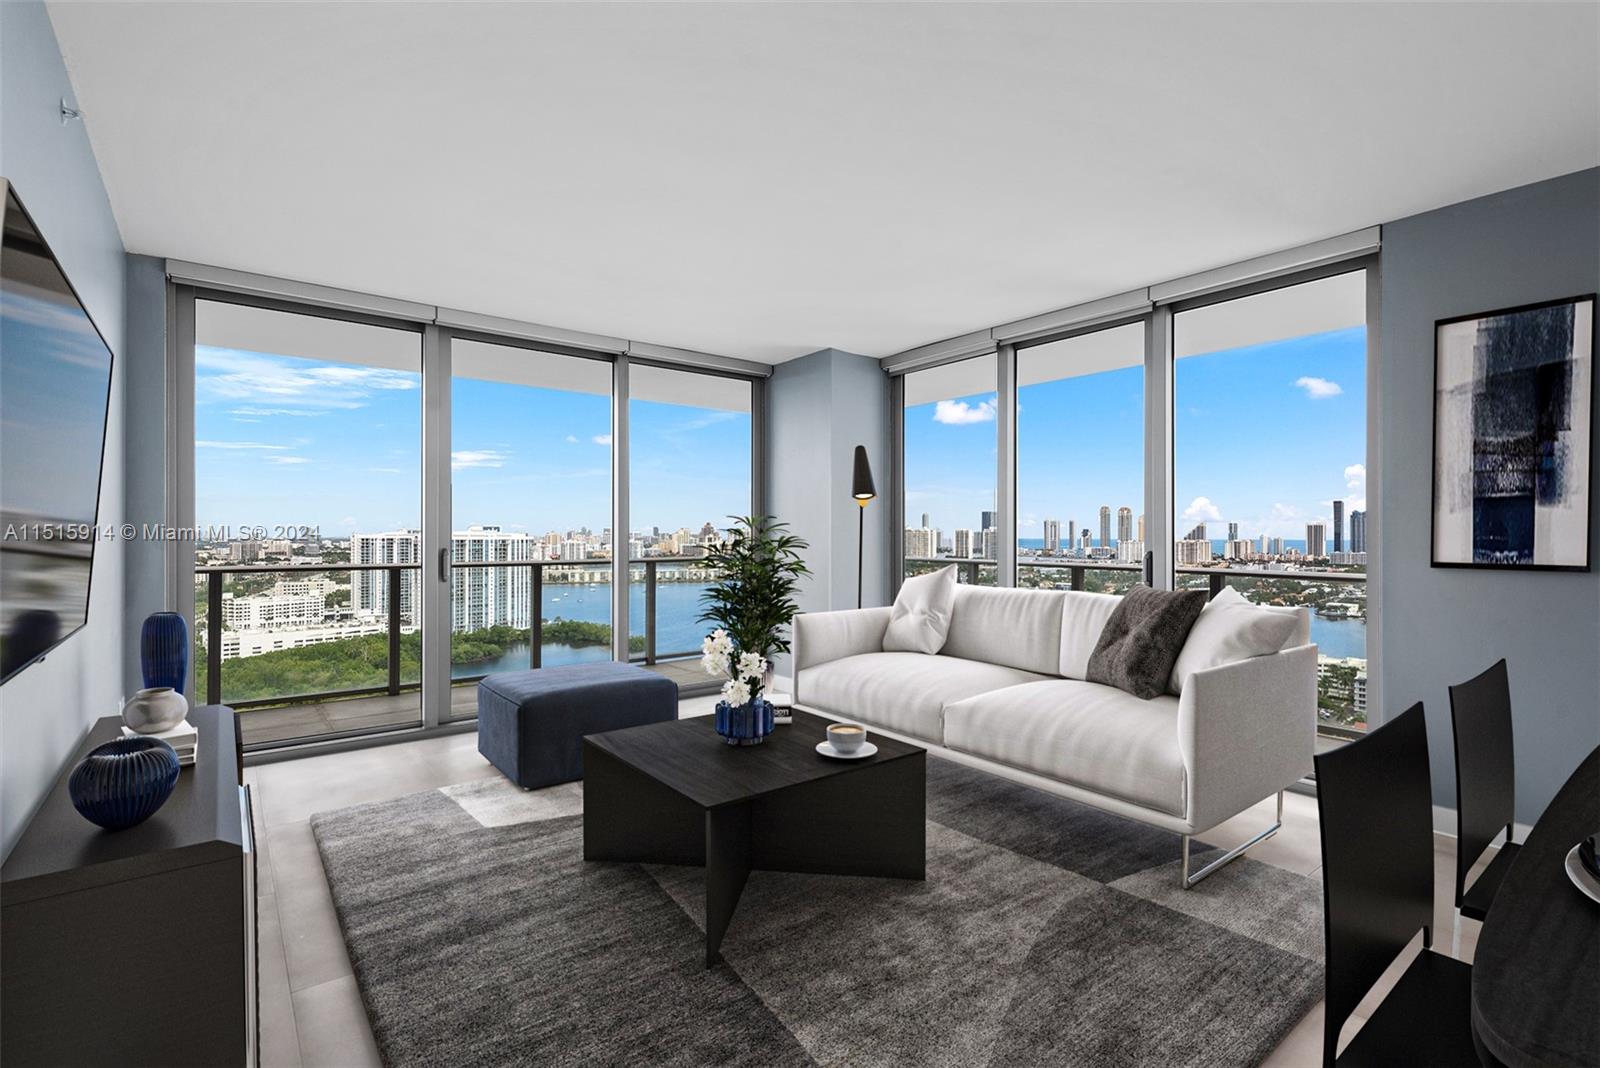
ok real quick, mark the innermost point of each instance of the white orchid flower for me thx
(736, 692)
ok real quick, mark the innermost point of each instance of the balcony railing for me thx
(398, 621)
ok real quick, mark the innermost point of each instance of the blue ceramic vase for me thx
(164, 650)
(746, 724)
(123, 783)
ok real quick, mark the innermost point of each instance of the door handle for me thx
(444, 565)
(1149, 568)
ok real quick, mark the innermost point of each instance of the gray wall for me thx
(1441, 626)
(819, 408)
(144, 358)
(45, 710)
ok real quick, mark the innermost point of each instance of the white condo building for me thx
(479, 596)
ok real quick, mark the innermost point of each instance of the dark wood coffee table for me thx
(675, 793)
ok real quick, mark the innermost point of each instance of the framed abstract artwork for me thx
(1513, 437)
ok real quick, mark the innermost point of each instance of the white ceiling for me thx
(764, 180)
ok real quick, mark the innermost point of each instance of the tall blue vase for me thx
(164, 650)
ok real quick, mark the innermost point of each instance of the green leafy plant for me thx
(758, 571)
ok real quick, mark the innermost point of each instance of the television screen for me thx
(55, 380)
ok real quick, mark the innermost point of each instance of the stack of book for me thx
(182, 738)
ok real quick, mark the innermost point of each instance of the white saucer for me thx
(1580, 876)
(827, 750)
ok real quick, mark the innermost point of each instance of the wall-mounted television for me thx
(55, 384)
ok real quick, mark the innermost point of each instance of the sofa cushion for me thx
(1082, 733)
(1231, 629)
(1017, 628)
(921, 615)
(1083, 618)
(1142, 639)
(904, 692)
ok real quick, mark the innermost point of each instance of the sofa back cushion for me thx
(1083, 617)
(920, 620)
(1229, 629)
(1016, 628)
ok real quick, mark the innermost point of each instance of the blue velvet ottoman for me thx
(531, 723)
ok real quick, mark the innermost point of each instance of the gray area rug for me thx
(1047, 933)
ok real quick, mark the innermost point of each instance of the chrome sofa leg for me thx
(1189, 881)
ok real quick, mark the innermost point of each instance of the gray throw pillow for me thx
(1143, 638)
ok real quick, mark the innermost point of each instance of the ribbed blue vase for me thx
(746, 724)
(164, 650)
(124, 782)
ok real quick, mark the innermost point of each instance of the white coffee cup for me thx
(846, 737)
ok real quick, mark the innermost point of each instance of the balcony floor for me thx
(320, 719)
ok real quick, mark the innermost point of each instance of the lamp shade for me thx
(861, 487)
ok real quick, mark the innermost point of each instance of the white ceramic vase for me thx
(154, 710)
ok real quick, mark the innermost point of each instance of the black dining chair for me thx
(1480, 719)
(1375, 807)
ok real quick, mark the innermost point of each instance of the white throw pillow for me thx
(1230, 629)
(921, 617)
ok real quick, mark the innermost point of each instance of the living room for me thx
(794, 533)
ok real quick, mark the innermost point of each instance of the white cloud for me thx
(385, 471)
(239, 445)
(960, 413)
(1201, 509)
(286, 459)
(468, 458)
(602, 439)
(1355, 477)
(1318, 388)
(572, 439)
(280, 385)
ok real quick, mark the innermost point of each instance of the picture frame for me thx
(1513, 437)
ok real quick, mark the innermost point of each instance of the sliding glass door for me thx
(1080, 461)
(530, 493)
(949, 415)
(1270, 464)
(689, 476)
(307, 461)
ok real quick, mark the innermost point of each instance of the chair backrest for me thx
(1375, 806)
(1480, 719)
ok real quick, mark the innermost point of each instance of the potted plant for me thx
(758, 570)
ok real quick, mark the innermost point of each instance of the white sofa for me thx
(1006, 693)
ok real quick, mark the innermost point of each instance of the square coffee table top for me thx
(690, 758)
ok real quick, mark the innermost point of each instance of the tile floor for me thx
(311, 1012)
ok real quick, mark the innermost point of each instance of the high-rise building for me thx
(1358, 531)
(1237, 549)
(925, 524)
(369, 590)
(922, 541)
(1338, 526)
(962, 547)
(1124, 524)
(988, 521)
(1193, 551)
(1087, 541)
(1072, 534)
(1316, 540)
(1052, 535)
(1197, 534)
(1105, 526)
(1275, 547)
(479, 596)
(1141, 528)
(990, 547)
(1233, 531)
(1130, 551)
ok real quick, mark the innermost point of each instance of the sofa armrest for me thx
(1246, 730)
(819, 637)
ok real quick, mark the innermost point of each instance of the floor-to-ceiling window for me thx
(950, 463)
(307, 499)
(689, 476)
(1080, 461)
(1269, 464)
(530, 477)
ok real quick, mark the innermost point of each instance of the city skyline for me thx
(1243, 452)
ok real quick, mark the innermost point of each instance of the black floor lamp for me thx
(862, 489)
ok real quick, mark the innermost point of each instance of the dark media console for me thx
(135, 947)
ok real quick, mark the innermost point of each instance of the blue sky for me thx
(1266, 435)
(282, 440)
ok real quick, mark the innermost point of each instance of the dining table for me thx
(1536, 971)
